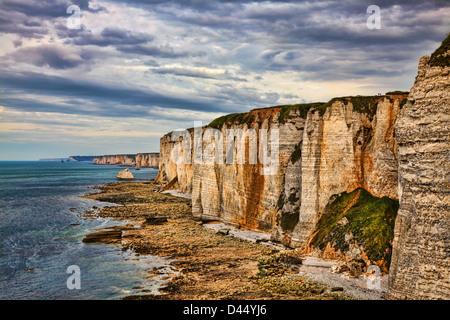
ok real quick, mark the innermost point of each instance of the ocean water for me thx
(41, 232)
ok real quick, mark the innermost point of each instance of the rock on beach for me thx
(125, 175)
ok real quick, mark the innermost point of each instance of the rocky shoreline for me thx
(210, 265)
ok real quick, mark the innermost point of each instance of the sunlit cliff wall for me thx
(324, 149)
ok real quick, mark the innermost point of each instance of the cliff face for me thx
(420, 261)
(168, 170)
(147, 159)
(345, 148)
(143, 159)
(324, 149)
(118, 159)
(240, 193)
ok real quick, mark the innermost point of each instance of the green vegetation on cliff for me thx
(397, 92)
(366, 219)
(303, 108)
(361, 104)
(403, 102)
(240, 118)
(438, 59)
(249, 118)
(131, 156)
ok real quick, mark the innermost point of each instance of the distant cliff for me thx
(81, 158)
(72, 159)
(421, 249)
(142, 159)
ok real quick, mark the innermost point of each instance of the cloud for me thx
(55, 57)
(106, 99)
(108, 37)
(45, 8)
(15, 23)
(158, 51)
(197, 73)
(36, 18)
(17, 43)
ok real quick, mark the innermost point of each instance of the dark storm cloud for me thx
(34, 18)
(11, 22)
(318, 40)
(108, 37)
(45, 8)
(109, 100)
(125, 41)
(159, 51)
(55, 57)
(195, 73)
(342, 23)
(333, 28)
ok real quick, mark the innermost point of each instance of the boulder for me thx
(125, 175)
(224, 232)
(355, 270)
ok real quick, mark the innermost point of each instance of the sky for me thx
(135, 70)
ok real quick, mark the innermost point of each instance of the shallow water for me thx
(41, 229)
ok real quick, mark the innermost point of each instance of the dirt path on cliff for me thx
(209, 265)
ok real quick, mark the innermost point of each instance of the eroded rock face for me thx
(240, 193)
(342, 150)
(147, 160)
(117, 159)
(420, 266)
(324, 150)
(169, 170)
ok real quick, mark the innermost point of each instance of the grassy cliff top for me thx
(133, 156)
(396, 92)
(303, 108)
(362, 104)
(245, 117)
(437, 57)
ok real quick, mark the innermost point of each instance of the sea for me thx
(41, 232)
